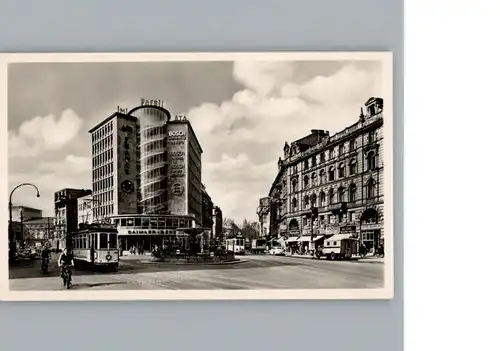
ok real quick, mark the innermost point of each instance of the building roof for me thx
(41, 220)
(116, 114)
(26, 208)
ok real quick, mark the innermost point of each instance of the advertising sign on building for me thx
(177, 161)
(127, 168)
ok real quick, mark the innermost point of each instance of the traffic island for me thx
(200, 259)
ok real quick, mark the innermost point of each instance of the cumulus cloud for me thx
(70, 164)
(273, 100)
(71, 172)
(236, 183)
(273, 107)
(44, 133)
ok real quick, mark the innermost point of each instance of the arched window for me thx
(371, 160)
(331, 197)
(293, 225)
(341, 194)
(313, 200)
(322, 198)
(314, 180)
(306, 201)
(322, 176)
(341, 170)
(294, 185)
(352, 193)
(331, 174)
(352, 167)
(294, 203)
(306, 182)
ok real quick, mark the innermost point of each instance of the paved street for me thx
(256, 272)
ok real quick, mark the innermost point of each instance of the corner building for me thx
(147, 175)
(342, 175)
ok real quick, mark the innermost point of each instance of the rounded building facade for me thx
(152, 150)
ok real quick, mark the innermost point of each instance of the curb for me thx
(357, 260)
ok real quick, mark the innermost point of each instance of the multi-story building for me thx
(341, 175)
(66, 213)
(147, 174)
(217, 223)
(25, 212)
(264, 214)
(21, 214)
(39, 229)
(85, 209)
(207, 210)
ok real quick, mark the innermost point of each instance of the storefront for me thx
(371, 229)
(144, 232)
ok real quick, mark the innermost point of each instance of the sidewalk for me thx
(135, 257)
(367, 259)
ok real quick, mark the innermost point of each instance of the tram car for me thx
(236, 245)
(96, 245)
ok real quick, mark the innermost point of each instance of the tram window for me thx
(103, 241)
(168, 222)
(145, 222)
(85, 242)
(112, 241)
(161, 223)
(175, 223)
(182, 223)
(154, 223)
(123, 222)
(137, 222)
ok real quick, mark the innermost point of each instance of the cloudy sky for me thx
(242, 113)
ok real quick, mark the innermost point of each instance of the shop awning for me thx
(291, 239)
(318, 237)
(304, 238)
(337, 237)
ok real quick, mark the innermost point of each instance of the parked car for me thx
(277, 251)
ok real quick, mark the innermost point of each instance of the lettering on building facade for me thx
(152, 102)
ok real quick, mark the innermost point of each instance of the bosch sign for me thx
(176, 133)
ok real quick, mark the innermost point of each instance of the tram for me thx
(95, 245)
(236, 245)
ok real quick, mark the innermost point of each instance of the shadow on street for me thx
(31, 269)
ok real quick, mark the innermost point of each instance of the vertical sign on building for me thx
(127, 168)
(176, 146)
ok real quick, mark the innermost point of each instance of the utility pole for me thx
(314, 215)
(22, 228)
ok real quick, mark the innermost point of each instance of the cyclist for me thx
(66, 262)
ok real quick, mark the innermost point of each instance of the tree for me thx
(229, 228)
(250, 230)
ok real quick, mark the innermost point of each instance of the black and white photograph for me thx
(197, 176)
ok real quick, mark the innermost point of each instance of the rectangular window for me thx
(112, 241)
(103, 240)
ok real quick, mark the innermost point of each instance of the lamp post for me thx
(12, 252)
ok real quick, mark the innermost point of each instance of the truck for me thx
(258, 246)
(339, 247)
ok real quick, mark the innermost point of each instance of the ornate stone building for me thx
(342, 175)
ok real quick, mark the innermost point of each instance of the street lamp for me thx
(11, 231)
